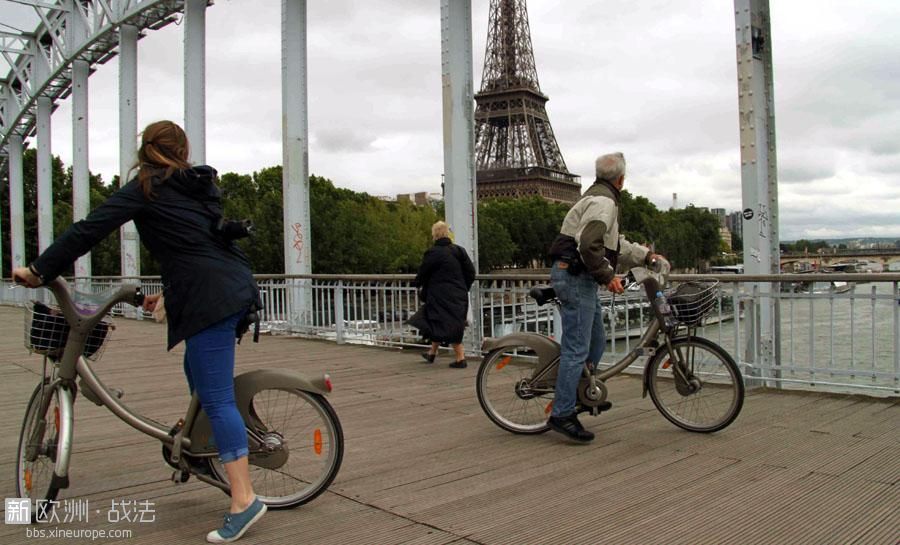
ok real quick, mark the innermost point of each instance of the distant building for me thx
(720, 213)
(422, 198)
(735, 223)
(725, 235)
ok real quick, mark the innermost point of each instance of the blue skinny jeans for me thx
(209, 367)
(583, 336)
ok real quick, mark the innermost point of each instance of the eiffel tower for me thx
(515, 149)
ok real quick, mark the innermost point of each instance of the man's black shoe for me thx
(605, 406)
(571, 428)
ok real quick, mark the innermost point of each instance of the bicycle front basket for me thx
(693, 300)
(46, 332)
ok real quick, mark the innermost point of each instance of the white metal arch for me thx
(53, 61)
(41, 61)
(47, 65)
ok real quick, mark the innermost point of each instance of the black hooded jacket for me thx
(205, 278)
(445, 275)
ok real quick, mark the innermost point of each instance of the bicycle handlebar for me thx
(84, 317)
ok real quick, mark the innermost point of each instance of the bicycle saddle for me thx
(542, 294)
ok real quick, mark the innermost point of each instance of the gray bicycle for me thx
(692, 381)
(295, 438)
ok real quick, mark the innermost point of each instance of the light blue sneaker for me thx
(237, 523)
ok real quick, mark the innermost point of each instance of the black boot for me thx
(461, 364)
(429, 358)
(571, 428)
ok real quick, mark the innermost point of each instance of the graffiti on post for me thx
(298, 241)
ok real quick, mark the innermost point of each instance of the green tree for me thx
(811, 246)
(639, 218)
(688, 236)
(737, 243)
(532, 224)
(495, 246)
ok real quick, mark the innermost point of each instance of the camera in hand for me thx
(233, 229)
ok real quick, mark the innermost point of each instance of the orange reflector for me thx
(667, 364)
(28, 480)
(502, 363)
(317, 441)
(56, 417)
(548, 408)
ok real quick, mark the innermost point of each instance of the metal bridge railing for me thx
(836, 332)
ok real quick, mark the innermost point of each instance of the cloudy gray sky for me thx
(654, 79)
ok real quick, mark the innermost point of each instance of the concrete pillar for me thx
(759, 179)
(195, 78)
(459, 140)
(16, 202)
(295, 142)
(81, 192)
(44, 174)
(128, 130)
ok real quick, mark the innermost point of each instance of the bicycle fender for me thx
(249, 383)
(246, 385)
(546, 348)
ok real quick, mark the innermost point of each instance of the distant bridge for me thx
(887, 258)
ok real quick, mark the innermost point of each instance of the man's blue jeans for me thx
(583, 336)
(209, 366)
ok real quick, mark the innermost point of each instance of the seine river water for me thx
(848, 338)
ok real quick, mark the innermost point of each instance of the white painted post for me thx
(76, 35)
(459, 141)
(128, 34)
(44, 174)
(195, 78)
(81, 192)
(295, 142)
(16, 201)
(759, 179)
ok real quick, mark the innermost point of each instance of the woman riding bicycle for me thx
(208, 287)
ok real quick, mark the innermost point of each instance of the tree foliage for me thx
(355, 233)
(803, 245)
(529, 224)
(104, 257)
(688, 237)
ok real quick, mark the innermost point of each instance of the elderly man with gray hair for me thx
(586, 253)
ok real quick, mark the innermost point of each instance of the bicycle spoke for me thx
(709, 396)
(306, 435)
(504, 391)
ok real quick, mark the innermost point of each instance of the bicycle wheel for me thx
(296, 447)
(39, 448)
(509, 396)
(710, 394)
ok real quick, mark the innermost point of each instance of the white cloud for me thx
(655, 79)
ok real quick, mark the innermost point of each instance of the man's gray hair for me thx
(610, 166)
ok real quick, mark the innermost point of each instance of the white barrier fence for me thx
(834, 332)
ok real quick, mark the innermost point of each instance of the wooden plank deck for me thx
(424, 466)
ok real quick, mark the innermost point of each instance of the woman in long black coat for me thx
(445, 276)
